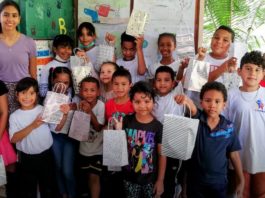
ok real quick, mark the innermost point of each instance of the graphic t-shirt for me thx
(142, 140)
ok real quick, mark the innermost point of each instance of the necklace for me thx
(249, 99)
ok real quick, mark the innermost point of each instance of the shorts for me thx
(91, 164)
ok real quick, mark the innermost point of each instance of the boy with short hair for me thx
(117, 108)
(215, 144)
(133, 56)
(165, 104)
(91, 151)
(246, 109)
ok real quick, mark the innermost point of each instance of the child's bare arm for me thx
(235, 159)
(140, 55)
(86, 107)
(185, 100)
(162, 162)
(184, 64)
(3, 113)
(65, 108)
(18, 136)
(227, 66)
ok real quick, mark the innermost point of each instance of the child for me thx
(144, 176)
(92, 150)
(62, 48)
(64, 148)
(120, 105)
(6, 149)
(117, 108)
(215, 144)
(133, 57)
(246, 109)
(167, 45)
(218, 58)
(86, 34)
(105, 74)
(165, 104)
(33, 141)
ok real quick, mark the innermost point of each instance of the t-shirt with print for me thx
(112, 109)
(3, 89)
(142, 140)
(247, 111)
(209, 160)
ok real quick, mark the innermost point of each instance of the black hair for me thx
(26, 83)
(53, 72)
(63, 40)
(166, 34)
(6, 3)
(122, 72)
(115, 65)
(253, 57)
(142, 87)
(166, 69)
(88, 26)
(217, 86)
(128, 38)
(228, 29)
(89, 79)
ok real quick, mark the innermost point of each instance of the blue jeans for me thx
(64, 150)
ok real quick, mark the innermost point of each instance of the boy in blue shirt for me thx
(215, 144)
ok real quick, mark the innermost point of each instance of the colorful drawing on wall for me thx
(175, 16)
(104, 11)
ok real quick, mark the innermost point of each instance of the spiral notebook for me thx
(137, 23)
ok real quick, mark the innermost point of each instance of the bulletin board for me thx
(44, 19)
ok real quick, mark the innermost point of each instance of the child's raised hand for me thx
(65, 108)
(184, 63)
(139, 42)
(181, 99)
(118, 123)
(231, 64)
(201, 53)
(110, 38)
(37, 122)
(85, 106)
(82, 54)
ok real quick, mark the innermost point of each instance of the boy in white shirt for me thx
(133, 56)
(245, 107)
(166, 104)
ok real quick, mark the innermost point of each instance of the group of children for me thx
(121, 92)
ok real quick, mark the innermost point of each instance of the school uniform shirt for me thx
(94, 146)
(43, 84)
(152, 69)
(3, 89)
(247, 111)
(167, 104)
(132, 66)
(39, 140)
(209, 161)
(142, 139)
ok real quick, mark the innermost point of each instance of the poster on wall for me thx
(173, 16)
(106, 15)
